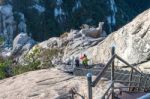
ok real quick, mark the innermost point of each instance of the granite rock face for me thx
(48, 84)
(73, 43)
(131, 42)
(22, 43)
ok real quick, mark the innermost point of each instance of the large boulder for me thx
(22, 44)
(49, 84)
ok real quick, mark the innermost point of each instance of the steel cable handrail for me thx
(103, 71)
(97, 79)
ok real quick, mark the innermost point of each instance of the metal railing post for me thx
(89, 79)
(145, 83)
(130, 79)
(139, 82)
(112, 72)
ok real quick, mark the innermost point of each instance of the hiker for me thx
(77, 62)
(84, 60)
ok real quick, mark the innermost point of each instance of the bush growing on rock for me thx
(41, 57)
(37, 58)
(19, 69)
(5, 68)
(1, 40)
(33, 56)
(48, 55)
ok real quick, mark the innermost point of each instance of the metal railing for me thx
(111, 87)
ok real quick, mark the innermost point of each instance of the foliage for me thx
(38, 58)
(32, 58)
(48, 55)
(19, 69)
(32, 62)
(45, 25)
(1, 40)
(3, 65)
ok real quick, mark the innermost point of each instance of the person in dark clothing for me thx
(77, 62)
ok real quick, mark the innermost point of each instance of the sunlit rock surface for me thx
(131, 42)
(49, 84)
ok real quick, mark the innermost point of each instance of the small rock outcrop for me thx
(53, 42)
(22, 44)
(93, 32)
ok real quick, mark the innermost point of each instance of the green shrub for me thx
(48, 55)
(19, 69)
(32, 57)
(39, 58)
(16, 69)
(1, 40)
(34, 62)
(4, 64)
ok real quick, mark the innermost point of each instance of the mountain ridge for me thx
(42, 18)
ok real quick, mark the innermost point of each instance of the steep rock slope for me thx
(131, 41)
(73, 43)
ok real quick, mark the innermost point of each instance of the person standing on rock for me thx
(84, 60)
(77, 62)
